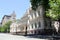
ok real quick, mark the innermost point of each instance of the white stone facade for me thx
(20, 25)
(36, 21)
(13, 27)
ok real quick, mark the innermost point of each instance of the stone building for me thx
(19, 26)
(13, 28)
(7, 18)
(36, 21)
(23, 24)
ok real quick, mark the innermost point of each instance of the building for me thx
(19, 26)
(13, 28)
(36, 21)
(32, 22)
(24, 24)
(7, 18)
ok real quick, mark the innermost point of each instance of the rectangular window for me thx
(39, 25)
(35, 25)
(32, 26)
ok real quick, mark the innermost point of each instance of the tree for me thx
(6, 27)
(36, 3)
(54, 11)
(53, 7)
(3, 29)
(0, 28)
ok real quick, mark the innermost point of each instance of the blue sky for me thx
(8, 6)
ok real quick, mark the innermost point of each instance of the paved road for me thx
(15, 37)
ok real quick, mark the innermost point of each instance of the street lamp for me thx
(26, 31)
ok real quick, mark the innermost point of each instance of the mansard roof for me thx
(6, 16)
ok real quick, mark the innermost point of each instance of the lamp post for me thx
(26, 30)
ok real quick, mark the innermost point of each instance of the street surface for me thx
(4, 36)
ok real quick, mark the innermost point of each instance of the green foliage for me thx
(54, 11)
(0, 28)
(36, 3)
(53, 7)
(6, 27)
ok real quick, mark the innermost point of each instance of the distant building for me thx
(23, 25)
(7, 18)
(19, 26)
(13, 28)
